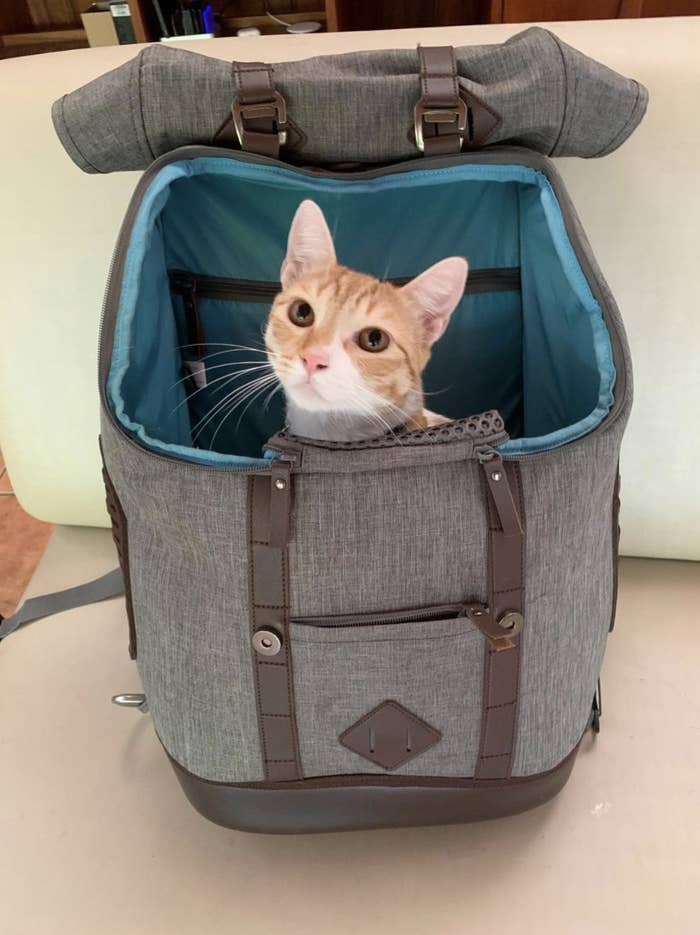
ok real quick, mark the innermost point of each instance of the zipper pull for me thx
(280, 503)
(497, 632)
(285, 449)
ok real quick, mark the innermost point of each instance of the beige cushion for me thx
(639, 206)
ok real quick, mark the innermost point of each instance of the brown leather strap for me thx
(440, 114)
(269, 504)
(121, 541)
(506, 520)
(259, 111)
(448, 116)
(615, 544)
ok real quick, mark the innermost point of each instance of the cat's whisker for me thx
(232, 364)
(236, 393)
(250, 403)
(227, 377)
(268, 398)
(231, 349)
(230, 397)
(243, 347)
(253, 394)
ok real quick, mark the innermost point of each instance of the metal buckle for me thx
(276, 109)
(427, 114)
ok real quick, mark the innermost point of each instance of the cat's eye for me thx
(301, 314)
(373, 340)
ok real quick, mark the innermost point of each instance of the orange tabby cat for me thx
(348, 349)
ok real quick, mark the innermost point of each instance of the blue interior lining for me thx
(541, 356)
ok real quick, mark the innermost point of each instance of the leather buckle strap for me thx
(259, 111)
(440, 115)
(501, 621)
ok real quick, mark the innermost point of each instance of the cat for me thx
(348, 349)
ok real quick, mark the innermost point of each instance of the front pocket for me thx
(345, 667)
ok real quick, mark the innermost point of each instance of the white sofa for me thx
(640, 207)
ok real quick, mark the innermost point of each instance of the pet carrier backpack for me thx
(402, 631)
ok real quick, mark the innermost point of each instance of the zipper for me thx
(417, 615)
(497, 155)
(477, 614)
(189, 285)
(186, 285)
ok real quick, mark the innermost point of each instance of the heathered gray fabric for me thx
(368, 540)
(435, 669)
(189, 575)
(568, 595)
(387, 540)
(353, 107)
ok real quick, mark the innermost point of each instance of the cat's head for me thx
(347, 343)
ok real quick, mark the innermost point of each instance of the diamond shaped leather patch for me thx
(389, 735)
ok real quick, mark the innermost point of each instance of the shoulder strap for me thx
(35, 608)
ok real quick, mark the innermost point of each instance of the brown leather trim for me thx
(448, 117)
(390, 735)
(441, 130)
(296, 139)
(121, 541)
(615, 545)
(269, 507)
(506, 574)
(343, 803)
(259, 108)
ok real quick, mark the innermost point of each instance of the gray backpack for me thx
(407, 630)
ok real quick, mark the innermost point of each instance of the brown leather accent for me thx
(226, 136)
(121, 541)
(506, 570)
(345, 803)
(447, 116)
(390, 735)
(439, 103)
(269, 601)
(482, 120)
(615, 545)
(258, 109)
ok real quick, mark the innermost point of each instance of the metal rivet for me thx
(511, 621)
(496, 475)
(266, 643)
(280, 484)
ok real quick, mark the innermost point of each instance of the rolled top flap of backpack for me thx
(533, 91)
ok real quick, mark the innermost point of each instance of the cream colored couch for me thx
(640, 207)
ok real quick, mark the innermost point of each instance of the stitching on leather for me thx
(271, 606)
(518, 645)
(505, 704)
(486, 688)
(251, 596)
(397, 707)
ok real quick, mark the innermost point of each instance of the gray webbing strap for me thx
(109, 585)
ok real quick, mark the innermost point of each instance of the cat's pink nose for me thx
(314, 360)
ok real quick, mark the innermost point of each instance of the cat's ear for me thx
(310, 245)
(437, 292)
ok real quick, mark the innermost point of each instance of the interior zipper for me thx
(192, 285)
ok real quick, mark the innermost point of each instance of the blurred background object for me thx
(29, 26)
